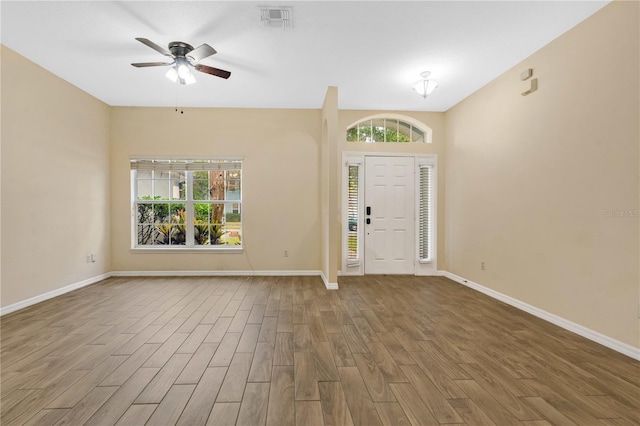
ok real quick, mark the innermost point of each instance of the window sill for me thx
(187, 250)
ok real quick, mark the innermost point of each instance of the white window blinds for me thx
(186, 203)
(352, 213)
(181, 165)
(425, 213)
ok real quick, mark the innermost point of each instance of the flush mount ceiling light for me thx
(425, 87)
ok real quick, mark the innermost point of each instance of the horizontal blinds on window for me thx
(425, 212)
(182, 166)
(352, 213)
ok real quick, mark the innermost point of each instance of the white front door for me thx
(389, 215)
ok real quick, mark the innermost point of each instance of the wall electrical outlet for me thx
(482, 265)
(87, 258)
(286, 253)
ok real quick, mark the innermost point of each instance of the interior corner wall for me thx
(544, 188)
(323, 187)
(280, 205)
(55, 182)
(330, 188)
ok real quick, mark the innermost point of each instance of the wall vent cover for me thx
(276, 17)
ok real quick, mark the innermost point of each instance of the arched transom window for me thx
(388, 128)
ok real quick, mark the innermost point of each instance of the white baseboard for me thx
(225, 273)
(51, 294)
(327, 284)
(592, 335)
(264, 273)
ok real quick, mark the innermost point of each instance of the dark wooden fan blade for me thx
(151, 64)
(200, 52)
(154, 46)
(213, 71)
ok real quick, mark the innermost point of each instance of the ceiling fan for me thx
(184, 56)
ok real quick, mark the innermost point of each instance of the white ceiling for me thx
(372, 51)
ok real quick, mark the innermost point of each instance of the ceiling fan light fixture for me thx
(180, 72)
(183, 71)
(424, 87)
(188, 79)
(172, 74)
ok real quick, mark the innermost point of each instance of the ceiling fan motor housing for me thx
(179, 49)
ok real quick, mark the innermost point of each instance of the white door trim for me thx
(356, 267)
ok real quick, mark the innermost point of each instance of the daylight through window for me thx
(353, 208)
(187, 203)
(385, 130)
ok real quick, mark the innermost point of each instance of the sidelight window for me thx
(425, 214)
(353, 208)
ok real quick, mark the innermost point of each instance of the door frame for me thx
(356, 267)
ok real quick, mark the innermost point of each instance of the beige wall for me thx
(529, 179)
(280, 182)
(328, 189)
(55, 182)
(435, 121)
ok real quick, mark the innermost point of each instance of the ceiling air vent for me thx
(276, 17)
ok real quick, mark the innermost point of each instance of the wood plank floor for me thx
(283, 350)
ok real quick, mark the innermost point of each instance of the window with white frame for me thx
(425, 214)
(353, 208)
(385, 130)
(180, 204)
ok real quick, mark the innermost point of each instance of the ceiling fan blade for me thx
(200, 52)
(213, 71)
(154, 46)
(151, 64)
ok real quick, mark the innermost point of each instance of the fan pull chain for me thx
(181, 109)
